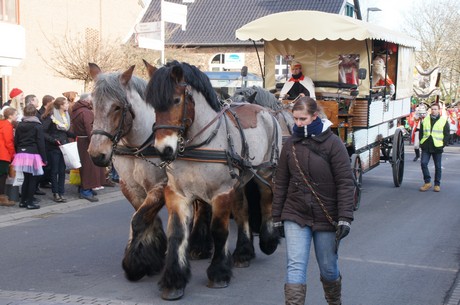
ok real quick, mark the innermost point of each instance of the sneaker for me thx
(88, 195)
(63, 199)
(437, 188)
(90, 198)
(425, 187)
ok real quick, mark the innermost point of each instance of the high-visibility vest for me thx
(437, 133)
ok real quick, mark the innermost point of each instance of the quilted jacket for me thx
(325, 163)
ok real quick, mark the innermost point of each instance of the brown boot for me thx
(5, 201)
(294, 294)
(333, 291)
(425, 187)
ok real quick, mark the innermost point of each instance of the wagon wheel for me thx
(357, 170)
(398, 157)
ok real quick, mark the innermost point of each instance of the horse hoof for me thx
(172, 294)
(221, 284)
(241, 264)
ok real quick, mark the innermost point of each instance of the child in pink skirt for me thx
(30, 155)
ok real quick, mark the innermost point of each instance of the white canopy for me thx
(316, 25)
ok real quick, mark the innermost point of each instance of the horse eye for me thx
(177, 100)
(117, 108)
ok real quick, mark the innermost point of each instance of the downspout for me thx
(357, 10)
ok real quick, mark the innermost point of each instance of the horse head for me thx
(115, 99)
(170, 95)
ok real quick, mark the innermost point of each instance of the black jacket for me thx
(53, 135)
(29, 138)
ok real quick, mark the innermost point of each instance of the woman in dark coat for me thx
(313, 200)
(82, 118)
(30, 155)
(56, 125)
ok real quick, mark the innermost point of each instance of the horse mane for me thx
(164, 87)
(108, 85)
(263, 97)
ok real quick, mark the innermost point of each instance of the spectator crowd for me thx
(31, 134)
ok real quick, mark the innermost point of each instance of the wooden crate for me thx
(359, 110)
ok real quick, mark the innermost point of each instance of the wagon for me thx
(337, 53)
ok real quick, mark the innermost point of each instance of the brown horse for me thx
(211, 151)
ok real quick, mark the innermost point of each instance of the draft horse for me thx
(122, 132)
(121, 116)
(263, 97)
(212, 151)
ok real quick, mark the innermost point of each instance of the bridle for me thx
(187, 97)
(120, 131)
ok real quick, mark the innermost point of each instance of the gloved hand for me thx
(343, 228)
(279, 226)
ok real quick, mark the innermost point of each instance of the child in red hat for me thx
(15, 92)
(17, 101)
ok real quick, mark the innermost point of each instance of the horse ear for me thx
(150, 69)
(252, 98)
(94, 70)
(177, 73)
(125, 77)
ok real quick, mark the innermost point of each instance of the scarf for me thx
(31, 119)
(313, 129)
(434, 117)
(296, 77)
(62, 123)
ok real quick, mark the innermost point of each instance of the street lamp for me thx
(371, 9)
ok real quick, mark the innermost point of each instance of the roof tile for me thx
(214, 22)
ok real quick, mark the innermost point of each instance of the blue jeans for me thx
(57, 171)
(298, 243)
(437, 167)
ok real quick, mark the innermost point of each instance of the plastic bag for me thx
(74, 177)
(17, 180)
(71, 156)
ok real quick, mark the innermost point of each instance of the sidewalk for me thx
(13, 215)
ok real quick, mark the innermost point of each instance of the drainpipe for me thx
(357, 10)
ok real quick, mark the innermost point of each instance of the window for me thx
(349, 10)
(281, 68)
(9, 11)
(217, 63)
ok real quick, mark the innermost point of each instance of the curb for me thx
(29, 215)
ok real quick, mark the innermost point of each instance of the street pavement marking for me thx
(372, 261)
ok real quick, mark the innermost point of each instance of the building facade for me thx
(31, 31)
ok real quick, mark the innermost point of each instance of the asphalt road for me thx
(403, 249)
